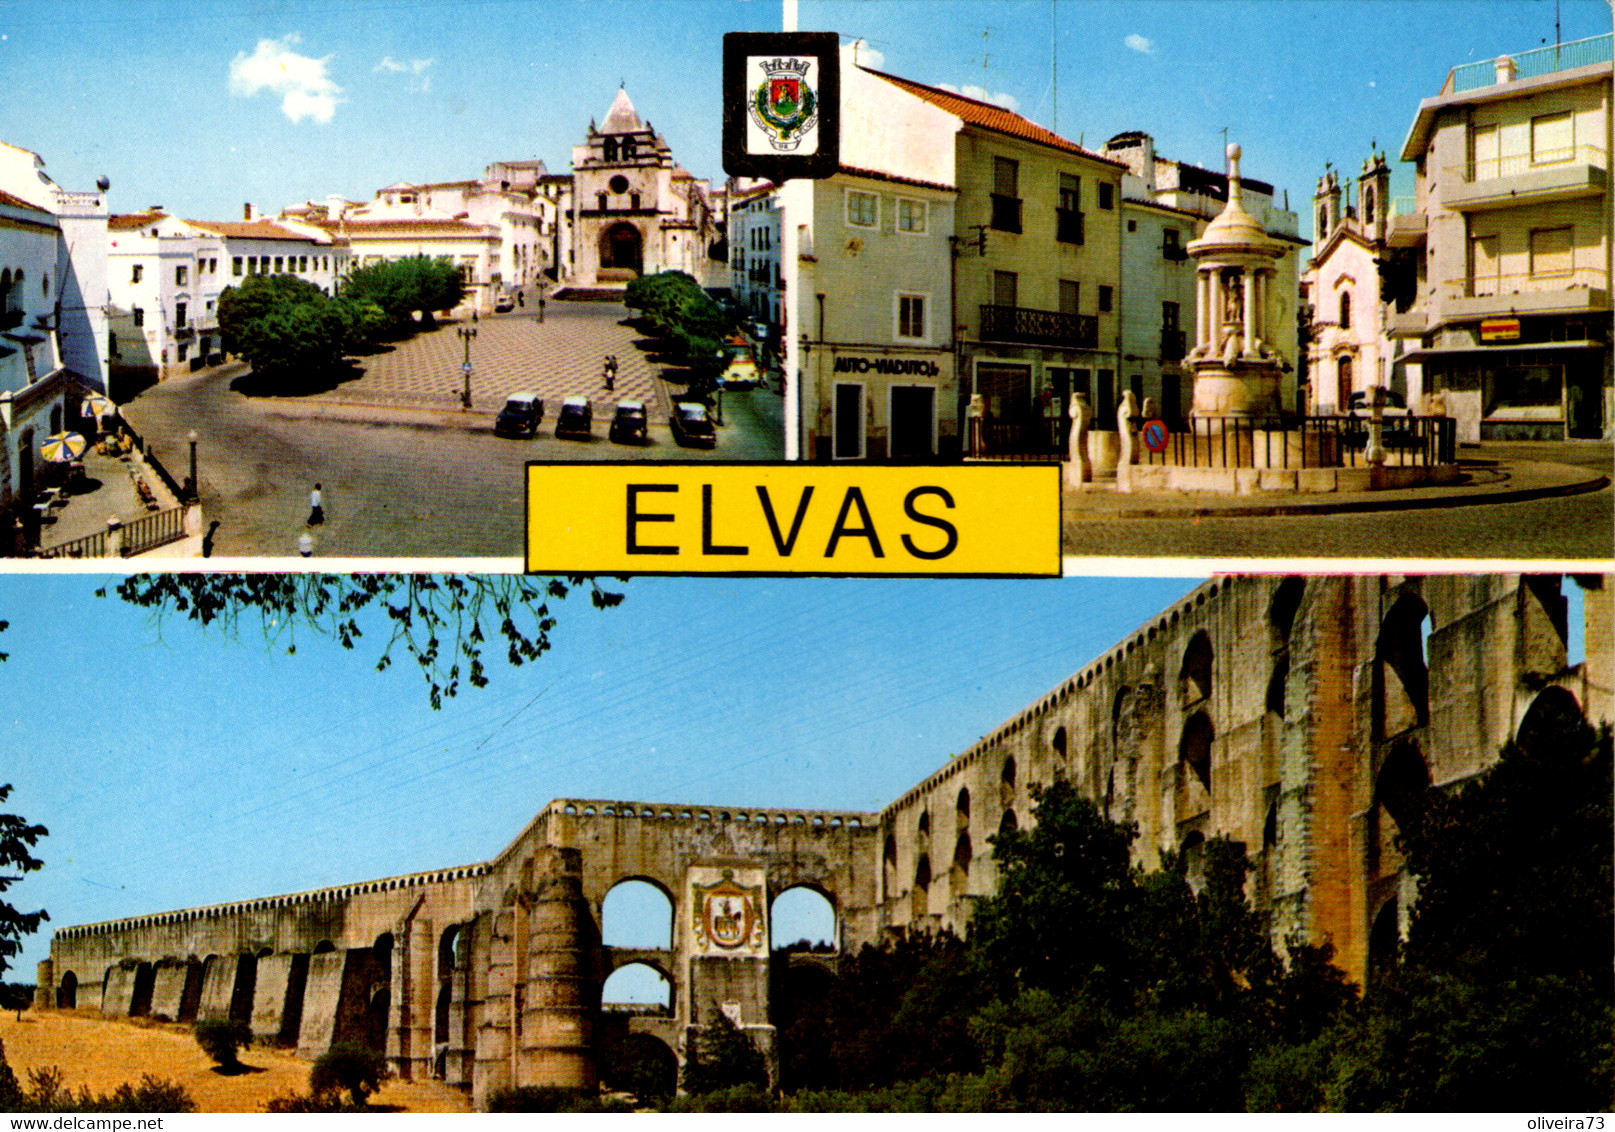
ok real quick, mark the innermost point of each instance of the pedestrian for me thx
(541, 307)
(316, 510)
(611, 372)
(305, 545)
(207, 539)
(520, 302)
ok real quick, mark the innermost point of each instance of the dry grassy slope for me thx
(105, 1052)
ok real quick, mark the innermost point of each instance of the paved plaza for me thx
(563, 356)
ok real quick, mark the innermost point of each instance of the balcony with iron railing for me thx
(1529, 64)
(1173, 344)
(1407, 226)
(1038, 327)
(1528, 178)
(1574, 290)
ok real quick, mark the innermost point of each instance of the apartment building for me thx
(165, 276)
(1164, 205)
(754, 247)
(53, 333)
(1503, 287)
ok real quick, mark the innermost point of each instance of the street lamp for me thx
(193, 483)
(466, 333)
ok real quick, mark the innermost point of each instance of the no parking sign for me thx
(1155, 435)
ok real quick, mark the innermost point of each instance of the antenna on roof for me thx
(1054, 65)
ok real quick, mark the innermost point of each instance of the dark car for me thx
(1396, 430)
(628, 423)
(576, 418)
(692, 426)
(520, 416)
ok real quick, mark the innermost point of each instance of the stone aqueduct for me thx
(1304, 717)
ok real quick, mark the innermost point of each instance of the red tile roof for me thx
(990, 117)
(132, 220)
(249, 230)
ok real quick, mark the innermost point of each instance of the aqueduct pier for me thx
(1308, 718)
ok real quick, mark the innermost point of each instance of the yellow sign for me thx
(1499, 329)
(762, 518)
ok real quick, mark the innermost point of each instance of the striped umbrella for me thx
(96, 405)
(62, 447)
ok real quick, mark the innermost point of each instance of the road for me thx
(394, 486)
(1573, 527)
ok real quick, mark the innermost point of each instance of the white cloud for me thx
(1141, 44)
(420, 83)
(981, 94)
(306, 90)
(867, 56)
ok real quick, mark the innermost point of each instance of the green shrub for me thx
(355, 1069)
(722, 1056)
(222, 1038)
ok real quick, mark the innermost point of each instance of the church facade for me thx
(633, 210)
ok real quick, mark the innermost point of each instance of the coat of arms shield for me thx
(728, 916)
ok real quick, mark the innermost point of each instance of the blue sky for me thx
(190, 103)
(180, 767)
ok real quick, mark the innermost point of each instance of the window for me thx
(910, 215)
(1005, 286)
(302, 263)
(600, 199)
(1107, 195)
(1169, 316)
(1171, 245)
(179, 316)
(252, 265)
(210, 306)
(1068, 216)
(633, 200)
(137, 274)
(863, 209)
(1006, 200)
(279, 264)
(911, 316)
(183, 351)
(139, 316)
(1105, 294)
(1551, 252)
(180, 275)
(1552, 139)
(1070, 296)
(1345, 310)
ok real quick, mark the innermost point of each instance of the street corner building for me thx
(1304, 717)
(1497, 271)
(53, 323)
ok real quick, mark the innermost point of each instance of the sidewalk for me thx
(111, 494)
(1499, 476)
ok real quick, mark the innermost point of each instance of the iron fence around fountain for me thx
(1303, 442)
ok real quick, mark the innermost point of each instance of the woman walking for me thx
(316, 512)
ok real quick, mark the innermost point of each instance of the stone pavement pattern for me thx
(563, 356)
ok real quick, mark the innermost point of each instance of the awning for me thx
(1511, 348)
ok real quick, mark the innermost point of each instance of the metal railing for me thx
(1024, 324)
(1493, 168)
(1031, 439)
(1404, 206)
(90, 546)
(1534, 63)
(1530, 283)
(1303, 442)
(151, 531)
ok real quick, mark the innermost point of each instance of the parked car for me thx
(576, 418)
(628, 423)
(1395, 404)
(505, 301)
(520, 416)
(1396, 431)
(741, 373)
(692, 426)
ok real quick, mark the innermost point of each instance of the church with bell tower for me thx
(634, 210)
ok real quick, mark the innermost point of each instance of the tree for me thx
(723, 1057)
(222, 1039)
(441, 622)
(17, 838)
(283, 324)
(353, 1069)
(400, 287)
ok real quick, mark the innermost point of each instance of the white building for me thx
(868, 324)
(53, 330)
(753, 240)
(498, 230)
(634, 210)
(1166, 204)
(165, 276)
(1349, 351)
